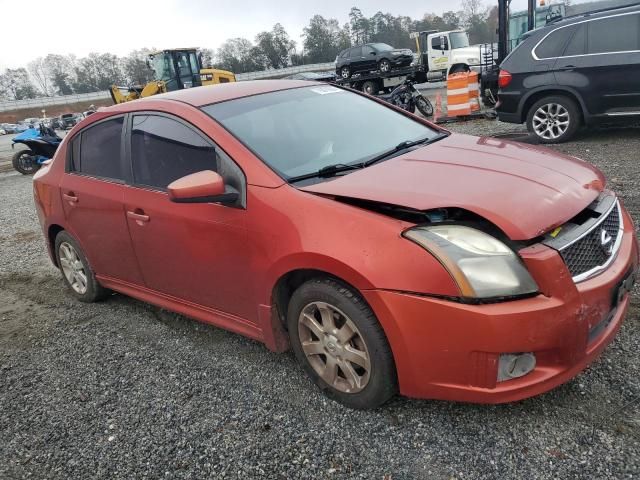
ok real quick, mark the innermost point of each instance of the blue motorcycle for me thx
(42, 143)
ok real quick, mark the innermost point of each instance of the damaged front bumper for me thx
(448, 350)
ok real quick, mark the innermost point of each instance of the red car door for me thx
(193, 252)
(92, 194)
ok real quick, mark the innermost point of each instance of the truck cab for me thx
(442, 52)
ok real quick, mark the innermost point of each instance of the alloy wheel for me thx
(344, 72)
(72, 268)
(551, 121)
(334, 347)
(385, 66)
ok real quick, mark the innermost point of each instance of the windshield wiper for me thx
(336, 168)
(403, 146)
(328, 171)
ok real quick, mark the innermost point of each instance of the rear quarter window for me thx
(553, 45)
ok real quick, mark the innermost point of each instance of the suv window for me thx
(578, 43)
(614, 34)
(356, 52)
(163, 150)
(366, 50)
(553, 45)
(98, 150)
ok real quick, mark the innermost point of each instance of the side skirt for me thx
(203, 314)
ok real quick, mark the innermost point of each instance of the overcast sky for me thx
(34, 28)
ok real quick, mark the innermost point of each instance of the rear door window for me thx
(578, 43)
(99, 150)
(614, 34)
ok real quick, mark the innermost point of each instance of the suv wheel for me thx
(345, 72)
(384, 65)
(553, 119)
(339, 342)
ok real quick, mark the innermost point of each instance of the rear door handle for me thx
(138, 215)
(70, 197)
(567, 67)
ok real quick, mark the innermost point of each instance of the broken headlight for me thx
(481, 265)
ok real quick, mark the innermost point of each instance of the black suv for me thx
(370, 57)
(580, 70)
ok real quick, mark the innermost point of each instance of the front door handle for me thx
(139, 216)
(70, 197)
(567, 67)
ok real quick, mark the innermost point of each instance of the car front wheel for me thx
(341, 345)
(345, 72)
(384, 65)
(553, 119)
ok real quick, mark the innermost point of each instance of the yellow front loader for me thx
(174, 69)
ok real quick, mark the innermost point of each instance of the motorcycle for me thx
(42, 143)
(407, 97)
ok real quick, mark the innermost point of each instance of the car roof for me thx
(581, 17)
(206, 95)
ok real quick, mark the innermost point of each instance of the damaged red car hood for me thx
(524, 190)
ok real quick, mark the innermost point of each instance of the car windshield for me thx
(382, 47)
(459, 39)
(300, 131)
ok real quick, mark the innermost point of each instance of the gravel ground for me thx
(121, 389)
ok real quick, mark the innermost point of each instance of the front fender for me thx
(311, 261)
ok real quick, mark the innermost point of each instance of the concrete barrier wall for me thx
(43, 102)
(283, 72)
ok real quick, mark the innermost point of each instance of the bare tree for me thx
(16, 85)
(37, 69)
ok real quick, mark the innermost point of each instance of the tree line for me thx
(323, 39)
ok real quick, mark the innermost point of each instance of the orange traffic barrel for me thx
(458, 95)
(474, 91)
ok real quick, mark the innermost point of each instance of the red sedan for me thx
(389, 254)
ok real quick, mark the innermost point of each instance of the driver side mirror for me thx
(206, 186)
(373, 53)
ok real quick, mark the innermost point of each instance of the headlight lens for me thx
(481, 265)
(473, 61)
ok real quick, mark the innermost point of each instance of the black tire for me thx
(345, 71)
(94, 291)
(424, 105)
(22, 165)
(384, 65)
(535, 126)
(370, 87)
(382, 379)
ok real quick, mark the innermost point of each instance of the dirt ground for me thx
(122, 389)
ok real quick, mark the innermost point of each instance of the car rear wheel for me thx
(384, 65)
(553, 119)
(345, 72)
(76, 271)
(341, 345)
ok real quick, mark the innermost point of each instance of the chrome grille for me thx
(594, 249)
